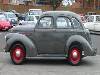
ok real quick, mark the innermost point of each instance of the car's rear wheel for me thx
(75, 55)
(17, 54)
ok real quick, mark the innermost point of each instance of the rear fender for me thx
(86, 47)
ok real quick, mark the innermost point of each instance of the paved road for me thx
(89, 66)
(96, 42)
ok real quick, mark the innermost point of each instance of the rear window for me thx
(76, 23)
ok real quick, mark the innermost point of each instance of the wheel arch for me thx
(17, 42)
(76, 43)
(75, 40)
(29, 45)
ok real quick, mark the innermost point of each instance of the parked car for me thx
(93, 23)
(21, 17)
(35, 12)
(31, 19)
(56, 34)
(11, 17)
(91, 13)
(4, 24)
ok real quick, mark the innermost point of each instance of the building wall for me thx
(93, 4)
(5, 1)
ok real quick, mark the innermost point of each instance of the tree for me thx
(88, 1)
(55, 3)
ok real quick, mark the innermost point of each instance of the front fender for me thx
(86, 47)
(29, 45)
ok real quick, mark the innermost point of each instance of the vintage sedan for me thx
(93, 23)
(56, 34)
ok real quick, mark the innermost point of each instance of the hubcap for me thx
(75, 56)
(18, 54)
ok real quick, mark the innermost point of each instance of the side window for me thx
(45, 22)
(90, 19)
(76, 23)
(97, 18)
(63, 22)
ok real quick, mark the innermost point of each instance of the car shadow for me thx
(46, 62)
(55, 62)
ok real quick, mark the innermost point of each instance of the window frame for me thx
(52, 23)
(64, 18)
(81, 27)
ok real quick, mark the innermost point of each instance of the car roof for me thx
(8, 12)
(94, 15)
(34, 9)
(65, 13)
(2, 15)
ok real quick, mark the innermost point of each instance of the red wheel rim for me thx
(75, 56)
(18, 54)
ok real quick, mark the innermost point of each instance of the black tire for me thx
(17, 53)
(75, 55)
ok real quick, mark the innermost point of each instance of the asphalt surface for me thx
(49, 66)
(88, 66)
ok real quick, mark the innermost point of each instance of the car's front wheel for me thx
(75, 55)
(17, 54)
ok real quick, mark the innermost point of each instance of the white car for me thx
(35, 12)
(29, 20)
(11, 17)
(93, 23)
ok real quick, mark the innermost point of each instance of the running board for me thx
(49, 56)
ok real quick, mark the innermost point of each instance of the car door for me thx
(44, 33)
(63, 31)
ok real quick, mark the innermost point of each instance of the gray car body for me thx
(53, 41)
